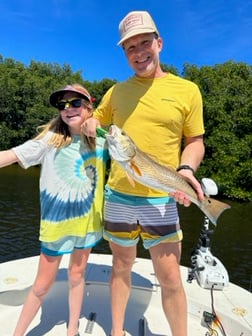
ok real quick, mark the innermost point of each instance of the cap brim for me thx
(136, 32)
(54, 98)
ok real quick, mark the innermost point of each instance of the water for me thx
(231, 241)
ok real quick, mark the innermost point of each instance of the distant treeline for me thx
(227, 98)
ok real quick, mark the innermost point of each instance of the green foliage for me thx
(98, 89)
(226, 91)
(24, 93)
(169, 68)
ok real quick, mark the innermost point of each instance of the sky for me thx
(84, 34)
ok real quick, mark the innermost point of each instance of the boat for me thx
(226, 310)
(216, 307)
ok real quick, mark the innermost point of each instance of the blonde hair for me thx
(61, 136)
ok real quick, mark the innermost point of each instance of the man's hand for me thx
(181, 197)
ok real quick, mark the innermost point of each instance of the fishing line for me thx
(216, 320)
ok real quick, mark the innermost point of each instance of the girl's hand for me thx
(88, 128)
(7, 157)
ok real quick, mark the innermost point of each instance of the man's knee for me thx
(123, 257)
(170, 280)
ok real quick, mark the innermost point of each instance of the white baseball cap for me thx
(135, 23)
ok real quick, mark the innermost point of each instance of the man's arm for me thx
(193, 152)
(191, 156)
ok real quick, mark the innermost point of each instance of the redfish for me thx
(142, 168)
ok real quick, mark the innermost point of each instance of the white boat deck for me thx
(144, 317)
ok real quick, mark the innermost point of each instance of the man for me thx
(158, 111)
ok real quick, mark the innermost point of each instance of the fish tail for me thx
(213, 208)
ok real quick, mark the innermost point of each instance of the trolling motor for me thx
(208, 270)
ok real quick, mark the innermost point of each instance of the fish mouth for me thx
(111, 130)
(115, 131)
(120, 146)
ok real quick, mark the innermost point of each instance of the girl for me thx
(71, 197)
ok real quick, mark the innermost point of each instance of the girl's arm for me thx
(7, 158)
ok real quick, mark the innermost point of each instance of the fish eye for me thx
(123, 133)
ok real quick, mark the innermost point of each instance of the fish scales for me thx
(157, 176)
(142, 168)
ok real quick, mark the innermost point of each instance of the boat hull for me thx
(144, 315)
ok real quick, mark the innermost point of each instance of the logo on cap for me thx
(136, 23)
(132, 21)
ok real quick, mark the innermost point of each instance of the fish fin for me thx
(213, 208)
(135, 168)
(131, 180)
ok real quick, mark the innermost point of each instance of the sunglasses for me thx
(74, 102)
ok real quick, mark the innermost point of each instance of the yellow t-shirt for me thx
(156, 114)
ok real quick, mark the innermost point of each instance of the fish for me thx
(142, 168)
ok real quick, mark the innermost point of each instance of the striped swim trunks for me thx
(127, 218)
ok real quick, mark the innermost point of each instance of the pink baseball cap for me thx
(56, 95)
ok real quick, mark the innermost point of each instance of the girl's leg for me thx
(47, 271)
(76, 273)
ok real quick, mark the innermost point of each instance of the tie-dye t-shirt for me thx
(71, 186)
